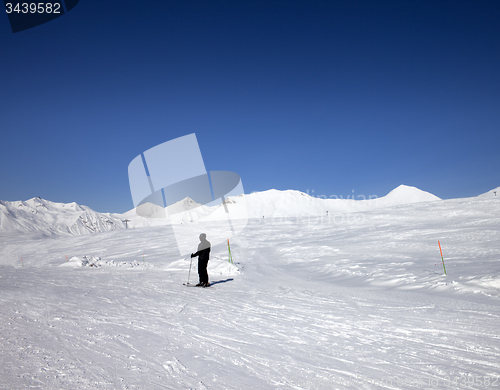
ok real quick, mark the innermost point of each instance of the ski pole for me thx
(189, 274)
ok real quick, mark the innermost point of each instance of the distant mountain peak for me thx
(410, 194)
(188, 201)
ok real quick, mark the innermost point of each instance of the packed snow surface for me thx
(352, 300)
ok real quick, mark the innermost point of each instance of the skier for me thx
(203, 257)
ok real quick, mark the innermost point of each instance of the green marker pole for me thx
(442, 257)
(230, 259)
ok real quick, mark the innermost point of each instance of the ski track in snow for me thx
(309, 304)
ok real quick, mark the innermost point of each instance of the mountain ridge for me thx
(52, 218)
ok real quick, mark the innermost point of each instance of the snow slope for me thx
(354, 301)
(491, 194)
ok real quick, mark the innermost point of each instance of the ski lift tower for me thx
(126, 223)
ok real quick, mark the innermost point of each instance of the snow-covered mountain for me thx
(40, 215)
(282, 204)
(274, 203)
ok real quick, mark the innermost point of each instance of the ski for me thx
(194, 285)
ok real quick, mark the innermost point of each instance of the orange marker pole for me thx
(442, 257)
(66, 258)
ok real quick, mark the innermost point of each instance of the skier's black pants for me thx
(202, 270)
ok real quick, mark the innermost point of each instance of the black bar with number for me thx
(24, 14)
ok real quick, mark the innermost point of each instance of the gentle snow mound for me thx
(217, 266)
(221, 267)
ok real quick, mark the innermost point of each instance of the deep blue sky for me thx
(330, 96)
